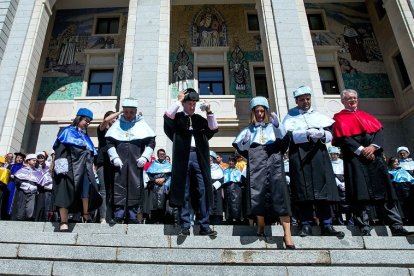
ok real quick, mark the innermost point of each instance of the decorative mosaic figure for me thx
(209, 29)
(355, 44)
(238, 68)
(183, 69)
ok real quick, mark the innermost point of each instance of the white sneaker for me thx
(103, 221)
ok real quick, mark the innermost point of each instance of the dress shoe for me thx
(207, 232)
(117, 221)
(262, 235)
(365, 232)
(289, 246)
(330, 231)
(305, 231)
(184, 232)
(402, 232)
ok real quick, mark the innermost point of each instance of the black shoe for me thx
(207, 232)
(184, 232)
(402, 232)
(117, 220)
(365, 232)
(261, 235)
(330, 231)
(305, 231)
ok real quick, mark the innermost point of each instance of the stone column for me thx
(7, 13)
(19, 68)
(271, 55)
(401, 17)
(402, 22)
(146, 64)
(296, 53)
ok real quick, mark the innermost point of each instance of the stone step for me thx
(31, 248)
(35, 267)
(158, 229)
(223, 242)
(316, 257)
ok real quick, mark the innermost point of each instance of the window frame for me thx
(336, 80)
(100, 59)
(323, 18)
(92, 70)
(213, 57)
(200, 68)
(104, 16)
(399, 73)
(252, 68)
(246, 16)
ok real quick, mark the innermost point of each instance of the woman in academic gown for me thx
(76, 189)
(263, 145)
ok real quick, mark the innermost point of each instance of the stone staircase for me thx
(34, 248)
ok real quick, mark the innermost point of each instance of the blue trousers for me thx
(323, 212)
(194, 168)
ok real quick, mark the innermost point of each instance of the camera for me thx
(203, 106)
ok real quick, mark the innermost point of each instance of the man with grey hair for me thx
(359, 135)
(130, 143)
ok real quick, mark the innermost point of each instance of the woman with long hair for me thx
(263, 143)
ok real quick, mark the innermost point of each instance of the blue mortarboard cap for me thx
(259, 101)
(334, 150)
(85, 113)
(302, 90)
(403, 148)
(213, 154)
(130, 102)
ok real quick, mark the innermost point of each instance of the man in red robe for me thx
(367, 182)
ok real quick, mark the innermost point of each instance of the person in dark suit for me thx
(190, 133)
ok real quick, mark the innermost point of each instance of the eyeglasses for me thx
(87, 121)
(350, 99)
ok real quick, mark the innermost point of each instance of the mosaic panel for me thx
(359, 56)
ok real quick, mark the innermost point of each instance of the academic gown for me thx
(267, 190)
(130, 140)
(157, 195)
(179, 133)
(365, 180)
(310, 169)
(78, 149)
(217, 175)
(233, 193)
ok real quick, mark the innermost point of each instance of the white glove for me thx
(61, 166)
(118, 162)
(216, 185)
(246, 137)
(311, 132)
(319, 134)
(275, 119)
(141, 161)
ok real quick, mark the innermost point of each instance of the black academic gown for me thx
(311, 174)
(365, 180)
(128, 182)
(67, 187)
(178, 131)
(266, 187)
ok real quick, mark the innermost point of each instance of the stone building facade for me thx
(57, 56)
